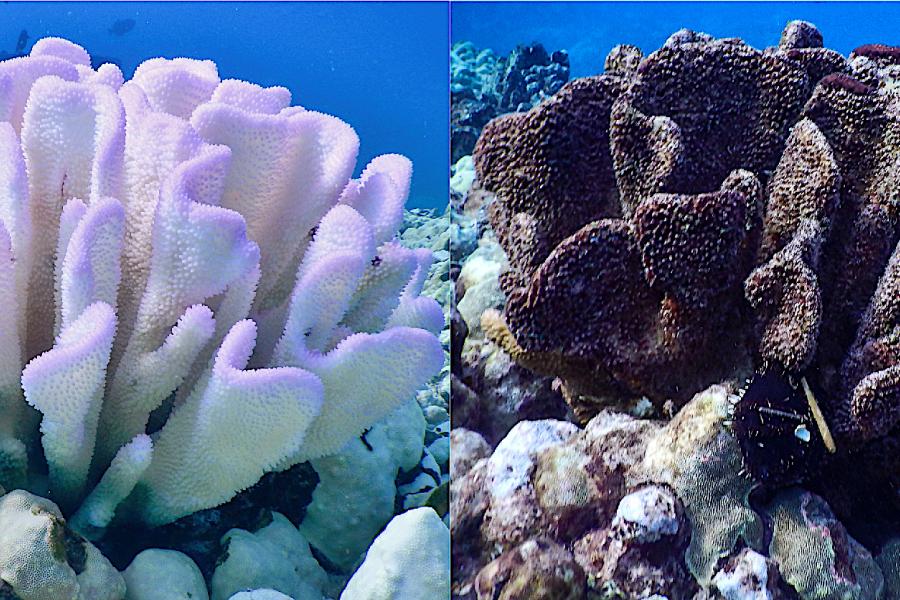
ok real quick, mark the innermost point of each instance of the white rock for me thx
(157, 574)
(648, 513)
(480, 278)
(33, 558)
(409, 560)
(511, 463)
(747, 580)
(260, 595)
(276, 557)
(463, 174)
(467, 448)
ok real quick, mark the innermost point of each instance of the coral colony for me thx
(713, 188)
(707, 215)
(195, 293)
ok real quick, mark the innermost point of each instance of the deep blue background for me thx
(589, 30)
(381, 67)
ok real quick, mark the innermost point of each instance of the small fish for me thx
(122, 26)
(22, 42)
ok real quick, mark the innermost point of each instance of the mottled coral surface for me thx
(708, 211)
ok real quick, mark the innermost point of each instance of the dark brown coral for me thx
(666, 222)
(553, 167)
(696, 111)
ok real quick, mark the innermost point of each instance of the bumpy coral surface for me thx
(740, 217)
(706, 211)
(195, 291)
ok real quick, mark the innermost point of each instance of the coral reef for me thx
(707, 215)
(198, 296)
(483, 85)
(712, 188)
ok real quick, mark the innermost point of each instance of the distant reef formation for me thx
(484, 85)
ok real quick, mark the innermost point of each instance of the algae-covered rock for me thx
(816, 555)
(538, 569)
(642, 550)
(644, 504)
(701, 460)
(514, 510)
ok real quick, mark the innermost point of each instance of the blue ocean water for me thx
(588, 30)
(382, 67)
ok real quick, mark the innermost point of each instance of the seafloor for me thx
(674, 363)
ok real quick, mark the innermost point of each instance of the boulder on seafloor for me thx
(747, 576)
(468, 448)
(42, 559)
(157, 574)
(478, 283)
(409, 560)
(514, 514)
(275, 556)
(494, 393)
(642, 551)
(262, 594)
(357, 491)
(538, 569)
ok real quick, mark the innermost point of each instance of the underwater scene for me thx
(224, 281)
(675, 328)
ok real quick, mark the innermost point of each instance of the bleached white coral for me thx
(194, 249)
(410, 559)
(35, 557)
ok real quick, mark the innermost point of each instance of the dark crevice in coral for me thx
(7, 592)
(76, 555)
(198, 535)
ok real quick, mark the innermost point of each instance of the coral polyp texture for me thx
(195, 290)
(708, 210)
